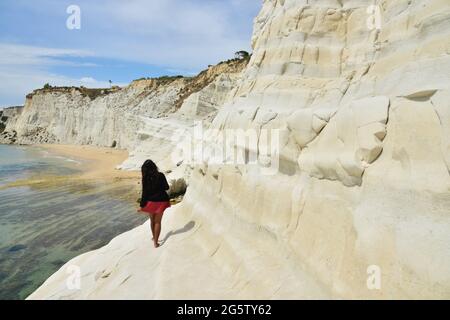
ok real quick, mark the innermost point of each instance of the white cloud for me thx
(88, 80)
(14, 54)
(25, 68)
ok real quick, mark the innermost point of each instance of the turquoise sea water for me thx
(42, 227)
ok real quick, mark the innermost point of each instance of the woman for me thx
(154, 198)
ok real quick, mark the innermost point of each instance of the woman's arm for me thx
(144, 194)
(165, 185)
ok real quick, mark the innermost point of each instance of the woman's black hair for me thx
(149, 170)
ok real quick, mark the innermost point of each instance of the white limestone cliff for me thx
(72, 116)
(145, 115)
(364, 170)
(8, 119)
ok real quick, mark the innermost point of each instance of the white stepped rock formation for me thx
(67, 115)
(156, 140)
(164, 133)
(364, 181)
(161, 139)
(206, 102)
(352, 140)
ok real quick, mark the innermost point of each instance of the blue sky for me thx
(119, 40)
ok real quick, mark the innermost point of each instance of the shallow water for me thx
(44, 226)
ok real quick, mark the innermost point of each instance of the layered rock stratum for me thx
(359, 203)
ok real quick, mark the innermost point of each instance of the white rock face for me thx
(8, 119)
(206, 102)
(163, 133)
(351, 141)
(9, 116)
(68, 116)
(363, 184)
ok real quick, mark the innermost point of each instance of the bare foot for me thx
(156, 244)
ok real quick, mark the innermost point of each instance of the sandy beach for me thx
(93, 165)
(58, 202)
(98, 162)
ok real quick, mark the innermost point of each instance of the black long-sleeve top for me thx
(154, 189)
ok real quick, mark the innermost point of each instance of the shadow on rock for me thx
(188, 227)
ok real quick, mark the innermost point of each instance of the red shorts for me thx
(156, 207)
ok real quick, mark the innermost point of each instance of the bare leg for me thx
(152, 224)
(157, 230)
